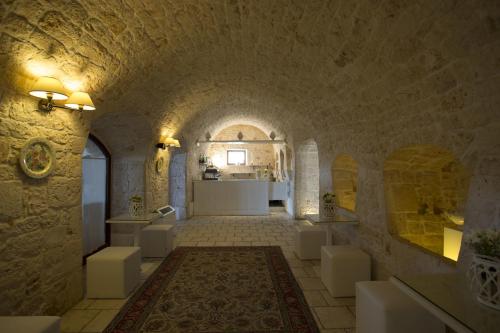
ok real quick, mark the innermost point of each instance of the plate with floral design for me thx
(37, 158)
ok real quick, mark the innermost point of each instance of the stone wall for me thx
(345, 181)
(423, 184)
(40, 219)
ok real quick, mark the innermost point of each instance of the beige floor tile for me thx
(83, 304)
(317, 271)
(335, 317)
(224, 243)
(107, 304)
(101, 321)
(205, 244)
(75, 320)
(338, 301)
(299, 272)
(314, 298)
(309, 283)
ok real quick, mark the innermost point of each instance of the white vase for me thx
(136, 208)
(484, 275)
(329, 209)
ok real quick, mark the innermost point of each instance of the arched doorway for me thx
(177, 185)
(307, 179)
(95, 196)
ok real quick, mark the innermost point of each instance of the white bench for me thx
(157, 240)
(113, 272)
(341, 267)
(382, 308)
(30, 324)
(308, 241)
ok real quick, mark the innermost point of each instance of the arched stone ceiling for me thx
(318, 67)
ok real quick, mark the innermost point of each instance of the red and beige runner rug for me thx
(218, 289)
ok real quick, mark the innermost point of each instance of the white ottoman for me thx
(30, 324)
(308, 241)
(157, 240)
(113, 272)
(341, 267)
(382, 308)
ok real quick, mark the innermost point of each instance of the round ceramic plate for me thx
(159, 164)
(37, 158)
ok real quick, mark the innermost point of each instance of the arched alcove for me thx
(307, 179)
(345, 181)
(426, 189)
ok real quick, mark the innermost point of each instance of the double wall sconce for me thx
(49, 89)
(168, 142)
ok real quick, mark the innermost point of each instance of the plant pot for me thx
(484, 275)
(329, 209)
(136, 208)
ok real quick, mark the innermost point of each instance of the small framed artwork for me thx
(37, 158)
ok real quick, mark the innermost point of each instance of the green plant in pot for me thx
(484, 272)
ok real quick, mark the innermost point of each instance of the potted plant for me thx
(484, 273)
(329, 204)
(136, 206)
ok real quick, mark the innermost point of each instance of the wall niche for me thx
(345, 181)
(424, 186)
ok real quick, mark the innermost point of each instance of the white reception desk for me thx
(231, 197)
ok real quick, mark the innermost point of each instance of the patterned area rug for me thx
(218, 289)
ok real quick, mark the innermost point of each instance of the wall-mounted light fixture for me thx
(50, 89)
(168, 142)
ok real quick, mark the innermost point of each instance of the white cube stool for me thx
(31, 324)
(308, 241)
(382, 308)
(341, 267)
(157, 240)
(113, 272)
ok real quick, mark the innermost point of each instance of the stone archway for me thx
(307, 179)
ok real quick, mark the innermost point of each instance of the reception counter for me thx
(231, 197)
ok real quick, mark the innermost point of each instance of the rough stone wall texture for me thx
(307, 179)
(360, 77)
(177, 183)
(345, 181)
(422, 185)
(258, 155)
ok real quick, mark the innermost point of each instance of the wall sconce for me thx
(49, 89)
(168, 142)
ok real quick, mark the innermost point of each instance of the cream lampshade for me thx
(80, 101)
(176, 143)
(46, 87)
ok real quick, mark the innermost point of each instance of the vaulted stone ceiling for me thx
(329, 66)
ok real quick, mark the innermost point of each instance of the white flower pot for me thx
(484, 275)
(136, 208)
(329, 209)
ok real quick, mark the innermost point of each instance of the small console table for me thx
(449, 298)
(338, 219)
(138, 222)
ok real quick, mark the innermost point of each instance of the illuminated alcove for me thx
(426, 189)
(345, 181)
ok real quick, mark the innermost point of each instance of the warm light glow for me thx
(218, 161)
(80, 101)
(38, 69)
(46, 87)
(73, 85)
(452, 243)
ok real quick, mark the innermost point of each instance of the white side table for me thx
(138, 222)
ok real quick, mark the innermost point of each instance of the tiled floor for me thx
(333, 315)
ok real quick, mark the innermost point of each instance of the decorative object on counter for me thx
(240, 136)
(203, 160)
(484, 272)
(168, 142)
(272, 135)
(136, 206)
(208, 136)
(159, 164)
(329, 204)
(37, 158)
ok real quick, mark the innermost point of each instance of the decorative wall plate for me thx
(37, 158)
(159, 165)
